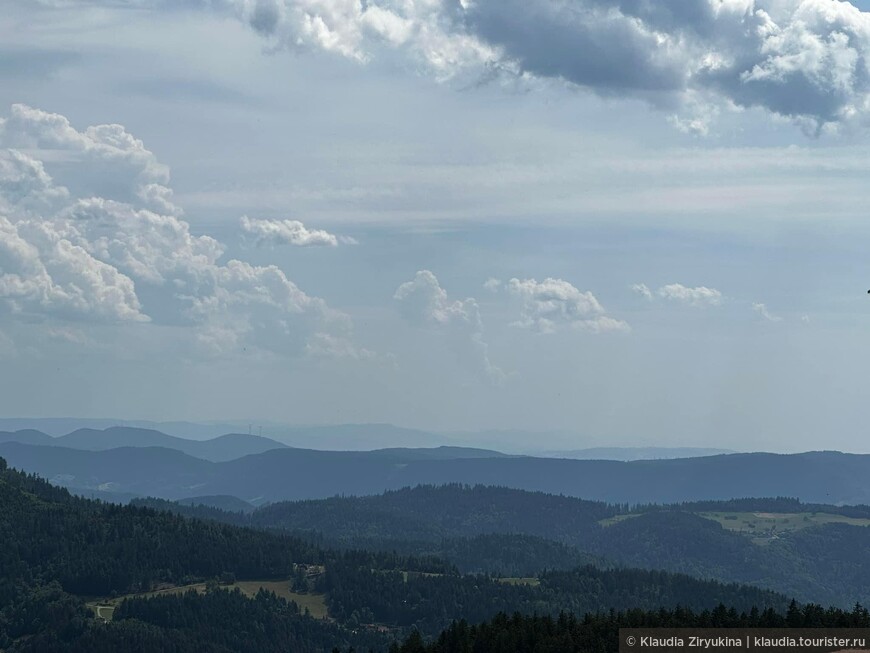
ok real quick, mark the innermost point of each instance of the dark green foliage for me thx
(53, 545)
(429, 603)
(430, 513)
(217, 622)
(512, 532)
(599, 632)
(828, 564)
(93, 548)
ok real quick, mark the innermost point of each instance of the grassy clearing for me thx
(104, 608)
(533, 581)
(764, 526)
(610, 521)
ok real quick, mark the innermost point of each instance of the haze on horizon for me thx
(647, 228)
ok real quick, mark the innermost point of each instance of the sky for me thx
(629, 222)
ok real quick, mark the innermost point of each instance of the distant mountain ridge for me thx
(221, 448)
(335, 437)
(288, 473)
(627, 454)
(366, 437)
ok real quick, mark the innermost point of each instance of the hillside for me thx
(56, 548)
(804, 558)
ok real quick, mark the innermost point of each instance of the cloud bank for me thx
(100, 240)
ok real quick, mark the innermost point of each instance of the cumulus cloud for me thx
(551, 303)
(102, 160)
(288, 232)
(804, 59)
(426, 29)
(761, 309)
(697, 296)
(492, 284)
(68, 253)
(423, 301)
(42, 272)
(643, 290)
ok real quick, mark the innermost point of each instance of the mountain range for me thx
(221, 448)
(364, 437)
(261, 470)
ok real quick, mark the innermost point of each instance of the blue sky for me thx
(634, 223)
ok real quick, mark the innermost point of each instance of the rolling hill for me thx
(818, 552)
(288, 473)
(58, 549)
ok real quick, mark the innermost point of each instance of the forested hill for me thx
(430, 512)
(803, 553)
(55, 548)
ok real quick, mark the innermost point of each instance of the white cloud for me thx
(43, 273)
(552, 303)
(492, 284)
(643, 290)
(286, 232)
(698, 296)
(422, 28)
(67, 255)
(423, 301)
(102, 160)
(24, 183)
(761, 309)
(330, 346)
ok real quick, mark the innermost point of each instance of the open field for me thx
(610, 521)
(766, 525)
(762, 527)
(316, 604)
(533, 581)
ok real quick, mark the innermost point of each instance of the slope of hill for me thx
(430, 513)
(27, 436)
(807, 560)
(55, 546)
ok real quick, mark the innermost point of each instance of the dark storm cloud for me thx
(578, 42)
